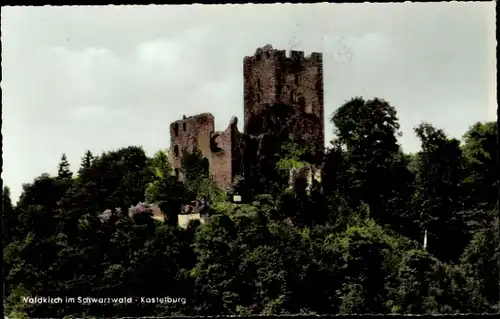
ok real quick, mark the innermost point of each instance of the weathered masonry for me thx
(270, 78)
(221, 149)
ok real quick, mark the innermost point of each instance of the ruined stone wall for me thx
(219, 148)
(188, 134)
(271, 77)
(225, 159)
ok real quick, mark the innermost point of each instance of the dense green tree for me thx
(9, 218)
(479, 150)
(348, 243)
(480, 260)
(165, 189)
(64, 170)
(87, 161)
(439, 192)
(197, 180)
(374, 172)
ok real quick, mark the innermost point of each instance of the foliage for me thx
(64, 171)
(349, 243)
(293, 154)
(439, 190)
(197, 179)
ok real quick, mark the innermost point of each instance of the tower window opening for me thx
(302, 102)
(297, 79)
(176, 129)
(258, 97)
(176, 151)
(258, 84)
(184, 126)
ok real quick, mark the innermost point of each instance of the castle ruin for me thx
(270, 78)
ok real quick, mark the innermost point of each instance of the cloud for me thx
(88, 112)
(100, 112)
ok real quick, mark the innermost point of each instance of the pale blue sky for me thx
(100, 78)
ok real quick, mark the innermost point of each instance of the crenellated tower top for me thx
(267, 52)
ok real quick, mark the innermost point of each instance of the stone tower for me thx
(271, 77)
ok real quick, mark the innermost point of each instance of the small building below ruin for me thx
(185, 219)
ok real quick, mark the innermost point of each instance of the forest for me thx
(351, 243)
